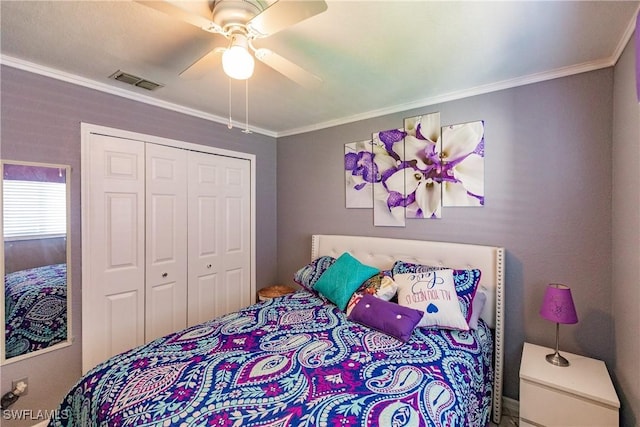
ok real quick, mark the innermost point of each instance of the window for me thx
(34, 209)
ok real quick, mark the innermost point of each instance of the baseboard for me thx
(510, 407)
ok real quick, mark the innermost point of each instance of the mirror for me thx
(36, 254)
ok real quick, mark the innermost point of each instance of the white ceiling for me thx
(374, 57)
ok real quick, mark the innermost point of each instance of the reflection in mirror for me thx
(35, 210)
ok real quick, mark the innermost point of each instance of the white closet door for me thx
(113, 217)
(166, 240)
(219, 236)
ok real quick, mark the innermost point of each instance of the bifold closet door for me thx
(219, 236)
(113, 292)
(166, 241)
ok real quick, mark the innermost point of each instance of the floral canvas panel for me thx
(463, 164)
(388, 187)
(359, 174)
(421, 168)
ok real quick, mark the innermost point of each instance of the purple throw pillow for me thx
(387, 317)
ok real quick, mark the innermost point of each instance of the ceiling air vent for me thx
(121, 76)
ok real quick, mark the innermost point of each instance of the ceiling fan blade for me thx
(204, 65)
(288, 68)
(194, 13)
(283, 14)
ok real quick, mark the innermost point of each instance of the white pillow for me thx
(434, 294)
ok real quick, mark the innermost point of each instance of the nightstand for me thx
(274, 291)
(580, 394)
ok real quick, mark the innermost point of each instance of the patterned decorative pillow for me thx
(434, 294)
(308, 275)
(341, 279)
(466, 282)
(381, 285)
(387, 317)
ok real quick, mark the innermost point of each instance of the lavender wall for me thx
(626, 234)
(548, 202)
(40, 122)
(23, 254)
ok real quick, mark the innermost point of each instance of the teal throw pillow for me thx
(342, 279)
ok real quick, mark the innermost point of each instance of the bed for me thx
(301, 360)
(35, 309)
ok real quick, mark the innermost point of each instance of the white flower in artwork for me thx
(462, 157)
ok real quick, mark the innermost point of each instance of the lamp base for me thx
(557, 360)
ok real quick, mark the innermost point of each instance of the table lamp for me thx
(558, 307)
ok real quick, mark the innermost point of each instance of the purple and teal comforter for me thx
(290, 361)
(35, 307)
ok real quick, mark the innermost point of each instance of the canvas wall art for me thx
(415, 171)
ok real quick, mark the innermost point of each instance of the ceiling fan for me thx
(242, 22)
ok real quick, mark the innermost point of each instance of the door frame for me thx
(87, 129)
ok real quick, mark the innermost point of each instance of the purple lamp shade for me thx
(557, 305)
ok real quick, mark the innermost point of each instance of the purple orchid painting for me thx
(415, 171)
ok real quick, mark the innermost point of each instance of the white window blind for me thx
(33, 209)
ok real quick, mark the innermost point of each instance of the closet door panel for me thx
(235, 279)
(113, 289)
(219, 241)
(120, 307)
(237, 240)
(203, 290)
(167, 312)
(166, 240)
(122, 231)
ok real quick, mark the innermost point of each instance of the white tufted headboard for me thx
(382, 252)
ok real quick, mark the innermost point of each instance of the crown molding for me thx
(421, 103)
(466, 93)
(92, 84)
(484, 89)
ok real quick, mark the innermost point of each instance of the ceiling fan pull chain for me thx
(246, 106)
(230, 124)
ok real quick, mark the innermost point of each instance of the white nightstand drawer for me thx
(580, 394)
(550, 407)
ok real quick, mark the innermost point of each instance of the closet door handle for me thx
(208, 265)
(165, 274)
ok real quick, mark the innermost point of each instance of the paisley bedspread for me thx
(35, 308)
(290, 361)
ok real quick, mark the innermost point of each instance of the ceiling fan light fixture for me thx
(237, 62)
